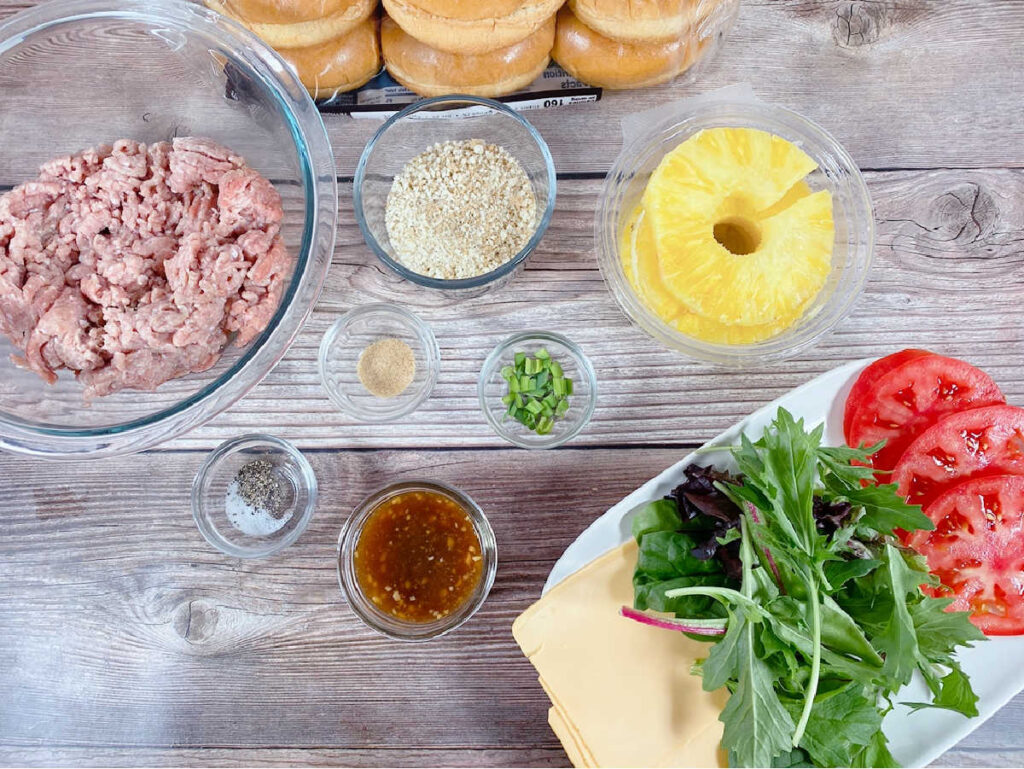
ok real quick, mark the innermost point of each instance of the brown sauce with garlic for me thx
(418, 557)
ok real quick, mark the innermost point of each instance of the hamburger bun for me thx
(467, 10)
(601, 61)
(642, 21)
(470, 35)
(341, 64)
(430, 72)
(296, 23)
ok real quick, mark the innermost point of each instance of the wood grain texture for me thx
(126, 640)
(123, 634)
(947, 276)
(274, 757)
(120, 626)
(901, 83)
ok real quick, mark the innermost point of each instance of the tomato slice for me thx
(985, 441)
(977, 550)
(861, 390)
(913, 396)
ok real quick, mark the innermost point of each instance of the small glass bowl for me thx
(385, 623)
(210, 489)
(852, 253)
(412, 131)
(352, 333)
(491, 387)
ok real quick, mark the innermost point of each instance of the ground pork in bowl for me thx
(167, 215)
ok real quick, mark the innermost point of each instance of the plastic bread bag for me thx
(640, 44)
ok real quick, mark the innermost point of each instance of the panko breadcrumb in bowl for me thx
(470, 198)
(150, 73)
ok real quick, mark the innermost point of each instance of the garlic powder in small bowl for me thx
(379, 362)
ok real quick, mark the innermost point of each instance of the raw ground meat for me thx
(134, 264)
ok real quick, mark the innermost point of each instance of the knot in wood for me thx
(965, 214)
(195, 621)
(859, 24)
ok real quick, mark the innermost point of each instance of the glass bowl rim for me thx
(426, 336)
(460, 283)
(312, 147)
(492, 363)
(766, 117)
(389, 626)
(232, 446)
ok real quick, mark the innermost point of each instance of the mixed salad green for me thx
(792, 569)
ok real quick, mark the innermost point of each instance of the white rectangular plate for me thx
(916, 739)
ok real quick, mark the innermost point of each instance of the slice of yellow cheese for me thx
(621, 692)
(570, 739)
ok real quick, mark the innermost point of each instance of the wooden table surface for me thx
(126, 640)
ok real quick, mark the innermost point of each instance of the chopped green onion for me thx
(538, 391)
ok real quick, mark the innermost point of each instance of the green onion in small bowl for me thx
(537, 390)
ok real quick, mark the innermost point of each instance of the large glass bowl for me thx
(853, 249)
(78, 73)
(420, 126)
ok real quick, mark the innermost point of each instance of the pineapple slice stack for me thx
(729, 245)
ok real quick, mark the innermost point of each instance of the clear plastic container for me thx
(451, 118)
(78, 73)
(853, 250)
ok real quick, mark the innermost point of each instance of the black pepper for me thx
(259, 487)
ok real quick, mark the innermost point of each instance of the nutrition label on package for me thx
(383, 96)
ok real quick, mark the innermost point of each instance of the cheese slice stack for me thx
(621, 692)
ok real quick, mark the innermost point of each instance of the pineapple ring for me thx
(773, 250)
(640, 263)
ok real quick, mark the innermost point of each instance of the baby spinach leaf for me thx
(660, 515)
(668, 554)
(652, 596)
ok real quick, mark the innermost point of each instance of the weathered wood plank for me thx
(451, 757)
(122, 633)
(902, 83)
(272, 757)
(947, 276)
